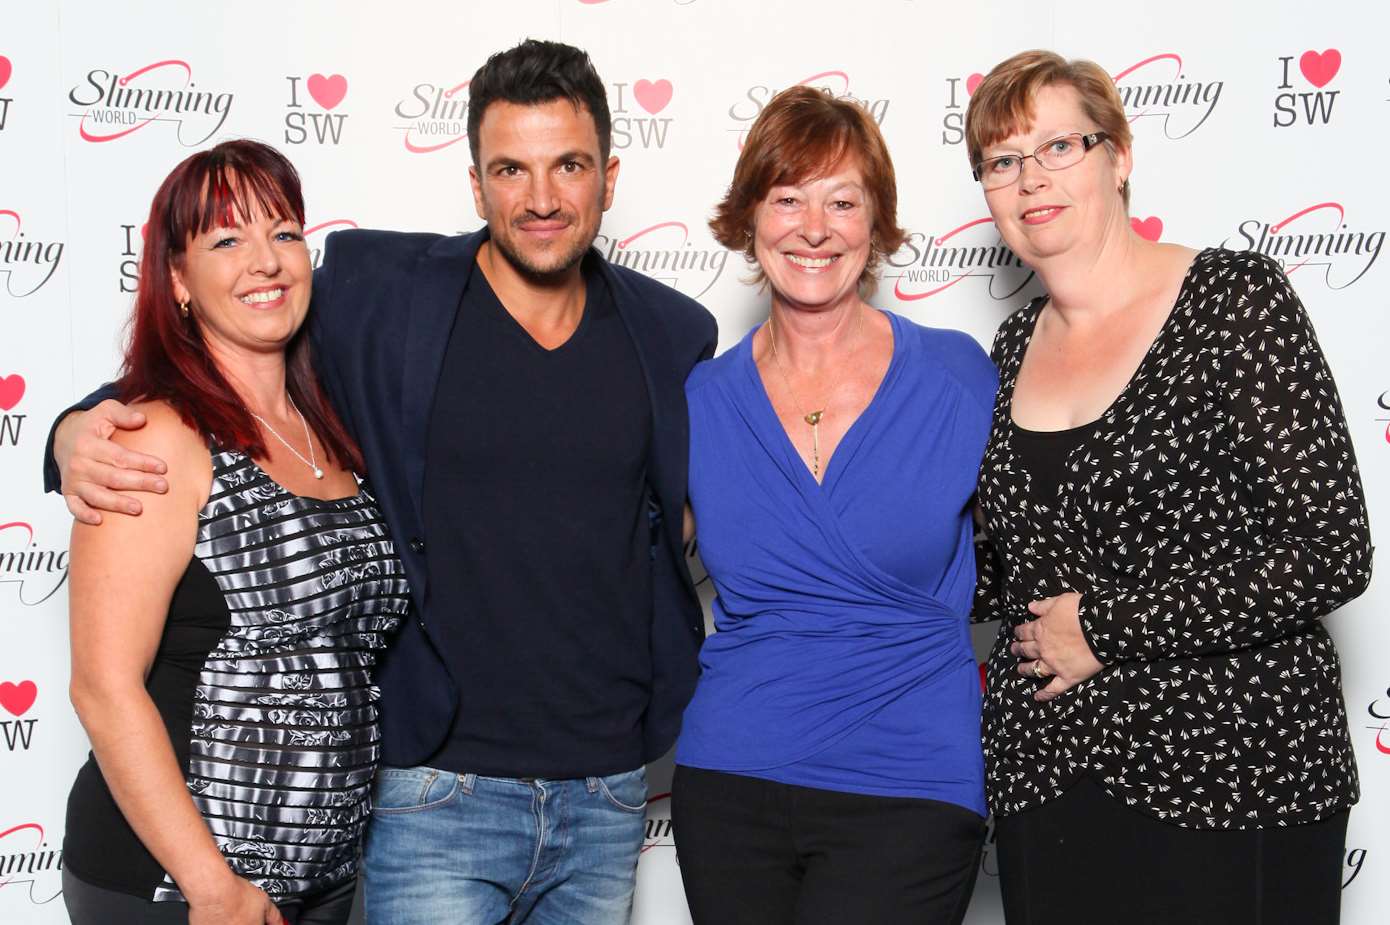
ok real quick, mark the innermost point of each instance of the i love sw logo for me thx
(1296, 106)
(314, 120)
(6, 69)
(635, 110)
(16, 699)
(11, 392)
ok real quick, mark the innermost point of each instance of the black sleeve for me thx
(321, 342)
(52, 479)
(1311, 551)
(988, 603)
(711, 337)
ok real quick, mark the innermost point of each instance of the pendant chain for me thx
(312, 461)
(812, 418)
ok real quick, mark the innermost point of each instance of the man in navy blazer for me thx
(520, 405)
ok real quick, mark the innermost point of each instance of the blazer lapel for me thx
(437, 288)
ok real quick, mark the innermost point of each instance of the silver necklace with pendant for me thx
(312, 461)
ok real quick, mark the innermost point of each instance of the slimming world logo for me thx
(834, 83)
(114, 106)
(37, 570)
(665, 252)
(435, 117)
(27, 861)
(26, 262)
(1158, 88)
(1379, 711)
(1317, 237)
(928, 264)
(659, 832)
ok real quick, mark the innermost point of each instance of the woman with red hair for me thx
(222, 642)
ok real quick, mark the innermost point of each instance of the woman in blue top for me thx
(830, 769)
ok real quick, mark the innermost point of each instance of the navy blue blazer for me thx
(383, 307)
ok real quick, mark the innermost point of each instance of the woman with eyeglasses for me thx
(1172, 506)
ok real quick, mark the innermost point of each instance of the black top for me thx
(535, 483)
(1043, 455)
(263, 678)
(1211, 518)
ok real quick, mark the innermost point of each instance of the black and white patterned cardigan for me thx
(1211, 519)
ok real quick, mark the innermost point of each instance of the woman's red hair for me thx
(166, 358)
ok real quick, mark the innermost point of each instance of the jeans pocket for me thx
(627, 791)
(411, 790)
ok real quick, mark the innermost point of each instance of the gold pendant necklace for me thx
(812, 418)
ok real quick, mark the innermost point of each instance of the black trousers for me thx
(94, 905)
(1087, 859)
(756, 852)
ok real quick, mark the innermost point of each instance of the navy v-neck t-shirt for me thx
(535, 509)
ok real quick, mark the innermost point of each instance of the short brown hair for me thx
(801, 134)
(1003, 102)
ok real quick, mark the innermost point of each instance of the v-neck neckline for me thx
(852, 433)
(494, 301)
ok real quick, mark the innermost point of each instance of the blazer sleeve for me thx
(1309, 541)
(52, 478)
(324, 321)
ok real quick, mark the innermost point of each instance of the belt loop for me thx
(591, 784)
(467, 782)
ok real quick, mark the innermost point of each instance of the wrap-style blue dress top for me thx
(842, 658)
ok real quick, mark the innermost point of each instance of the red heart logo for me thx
(972, 82)
(327, 91)
(653, 96)
(11, 391)
(18, 698)
(1150, 229)
(1320, 68)
(5, 70)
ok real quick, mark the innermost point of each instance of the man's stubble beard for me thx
(529, 269)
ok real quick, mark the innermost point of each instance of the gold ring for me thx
(1038, 669)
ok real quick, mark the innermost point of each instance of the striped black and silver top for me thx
(263, 678)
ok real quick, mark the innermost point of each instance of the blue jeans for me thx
(462, 848)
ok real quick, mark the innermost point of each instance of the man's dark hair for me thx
(537, 72)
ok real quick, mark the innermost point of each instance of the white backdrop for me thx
(1257, 125)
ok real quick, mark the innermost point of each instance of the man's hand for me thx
(95, 469)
